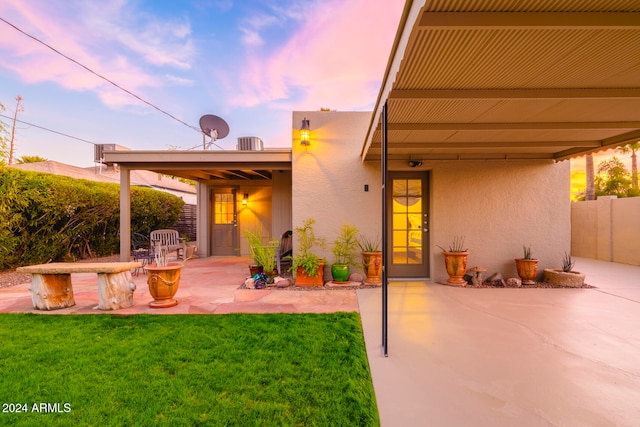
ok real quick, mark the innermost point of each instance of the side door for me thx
(224, 223)
(408, 228)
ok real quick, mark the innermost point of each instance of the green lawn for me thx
(184, 370)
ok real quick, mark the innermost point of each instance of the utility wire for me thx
(49, 130)
(100, 76)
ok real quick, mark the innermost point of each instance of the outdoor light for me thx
(414, 163)
(304, 133)
(245, 199)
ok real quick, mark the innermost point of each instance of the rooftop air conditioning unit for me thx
(250, 143)
(99, 149)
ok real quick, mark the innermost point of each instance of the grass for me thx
(231, 370)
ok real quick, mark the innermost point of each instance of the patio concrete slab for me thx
(505, 357)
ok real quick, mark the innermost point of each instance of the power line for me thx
(100, 76)
(49, 130)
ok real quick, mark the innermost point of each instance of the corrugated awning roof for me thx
(511, 79)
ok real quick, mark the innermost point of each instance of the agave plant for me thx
(567, 263)
(456, 246)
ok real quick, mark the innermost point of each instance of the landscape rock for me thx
(282, 282)
(514, 281)
(495, 279)
(356, 277)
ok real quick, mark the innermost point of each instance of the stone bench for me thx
(51, 284)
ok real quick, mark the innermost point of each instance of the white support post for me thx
(125, 214)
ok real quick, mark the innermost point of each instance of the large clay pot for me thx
(527, 270)
(372, 265)
(456, 265)
(304, 280)
(163, 284)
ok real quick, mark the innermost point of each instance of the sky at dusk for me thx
(251, 62)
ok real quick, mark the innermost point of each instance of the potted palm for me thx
(527, 267)
(371, 258)
(344, 253)
(308, 266)
(455, 261)
(565, 276)
(264, 254)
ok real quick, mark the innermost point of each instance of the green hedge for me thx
(55, 218)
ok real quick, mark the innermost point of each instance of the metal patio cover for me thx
(510, 79)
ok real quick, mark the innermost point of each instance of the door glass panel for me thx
(407, 221)
(223, 209)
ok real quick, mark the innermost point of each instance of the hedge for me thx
(55, 218)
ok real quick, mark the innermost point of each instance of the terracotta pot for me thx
(163, 284)
(303, 280)
(271, 275)
(255, 269)
(527, 270)
(372, 265)
(456, 265)
(557, 277)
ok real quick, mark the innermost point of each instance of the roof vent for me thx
(250, 143)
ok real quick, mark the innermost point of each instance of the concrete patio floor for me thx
(457, 357)
(509, 357)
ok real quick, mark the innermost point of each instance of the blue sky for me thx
(251, 62)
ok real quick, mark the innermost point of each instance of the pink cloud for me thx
(92, 38)
(336, 60)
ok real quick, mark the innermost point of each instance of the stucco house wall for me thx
(329, 178)
(498, 206)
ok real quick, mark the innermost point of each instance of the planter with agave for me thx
(527, 267)
(564, 277)
(455, 261)
(371, 259)
(344, 253)
(308, 266)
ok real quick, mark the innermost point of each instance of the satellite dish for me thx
(214, 127)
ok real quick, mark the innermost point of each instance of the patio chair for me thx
(285, 249)
(140, 251)
(139, 242)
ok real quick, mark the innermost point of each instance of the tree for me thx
(613, 178)
(632, 148)
(4, 147)
(591, 189)
(30, 159)
(19, 108)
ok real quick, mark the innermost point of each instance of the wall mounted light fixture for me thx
(414, 163)
(245, 199)
(304, 133)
